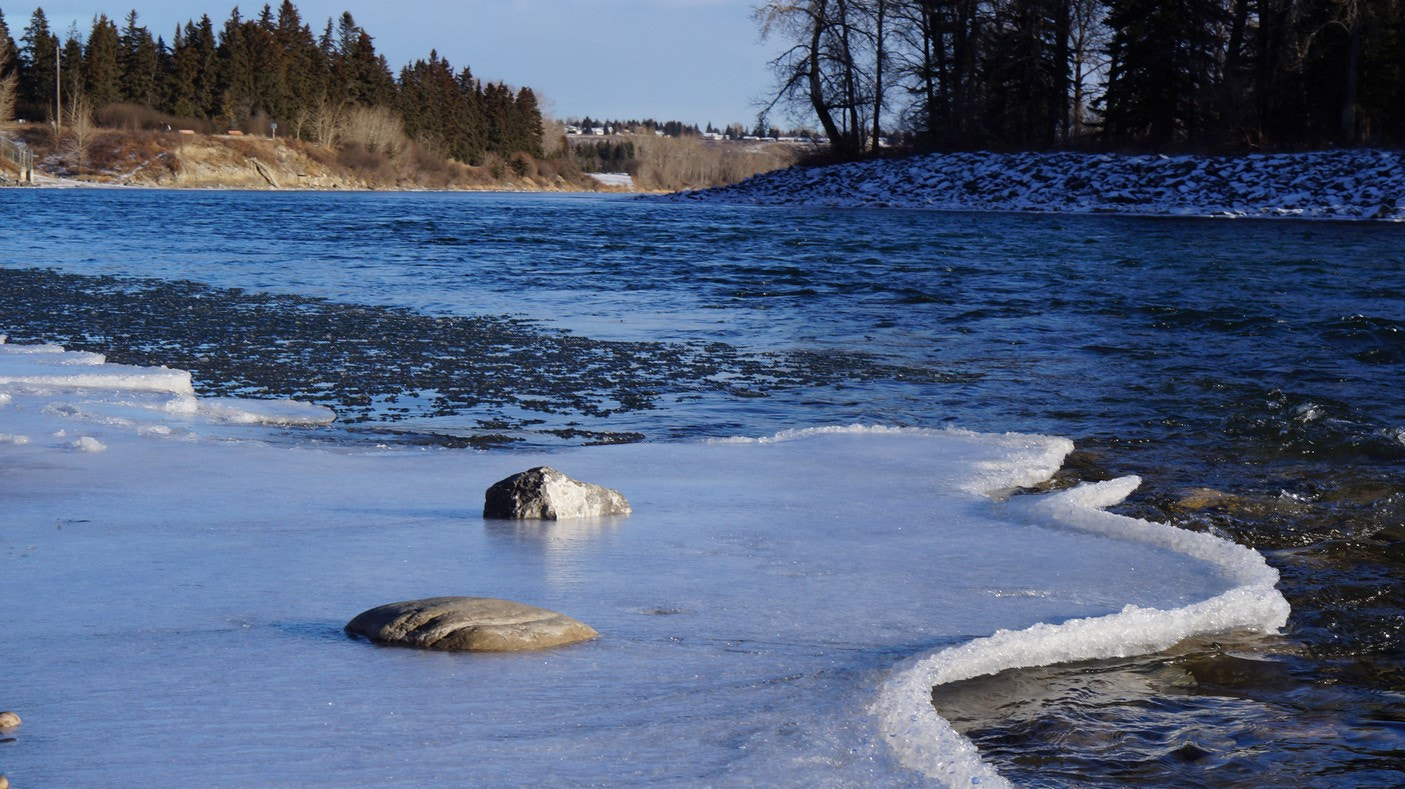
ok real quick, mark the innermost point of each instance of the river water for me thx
(1250, 372)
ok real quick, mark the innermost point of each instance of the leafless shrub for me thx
(495, 166)
(376, 129)
(80, 127)
(672, 164)
(326, 122)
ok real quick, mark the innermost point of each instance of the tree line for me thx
(1138, 74)
(251, 74)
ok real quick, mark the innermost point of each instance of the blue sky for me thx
(697, 61)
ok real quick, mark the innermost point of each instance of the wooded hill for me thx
(251, 74)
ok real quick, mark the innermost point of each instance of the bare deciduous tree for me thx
(830, 64)
(377, 129)
(326, 121)
(79, 127)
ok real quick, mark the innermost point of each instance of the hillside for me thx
(1349, 184)
(200, 161)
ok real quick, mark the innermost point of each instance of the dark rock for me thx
(546, 493)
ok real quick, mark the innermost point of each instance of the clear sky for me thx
(697, 61)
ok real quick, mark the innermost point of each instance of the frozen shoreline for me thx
(1349, 184)
(750, 610)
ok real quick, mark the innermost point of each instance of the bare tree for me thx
(376, 129)
(1087, 41)
(824, 65)
(326, 121)
(78, 119)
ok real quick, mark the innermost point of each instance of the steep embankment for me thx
(199, 161)
(230, 163)
(1357, 184)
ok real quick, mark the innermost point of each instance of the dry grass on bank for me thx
(372, 154)
(673, 164)
(135, 145)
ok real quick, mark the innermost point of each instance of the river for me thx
(1249, 371)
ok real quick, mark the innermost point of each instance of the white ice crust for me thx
(927, 743)
(808, 557)
(78, 382)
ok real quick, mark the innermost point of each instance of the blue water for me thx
(1261, 360)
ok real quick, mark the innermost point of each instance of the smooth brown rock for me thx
(9, 720)
(547, 494)
(474, 624)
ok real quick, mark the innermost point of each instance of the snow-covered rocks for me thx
(547, 494)
(1349, 184)
(468, 624)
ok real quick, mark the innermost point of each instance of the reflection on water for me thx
(556, 544)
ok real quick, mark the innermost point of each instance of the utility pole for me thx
(58, 91)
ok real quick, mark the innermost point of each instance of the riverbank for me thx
(175, 160)
(1350, 184)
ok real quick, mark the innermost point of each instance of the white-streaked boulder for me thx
(547, 494)
(468, 624)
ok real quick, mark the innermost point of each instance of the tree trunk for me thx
(878, 72)
(817, 98)
(1352, 78)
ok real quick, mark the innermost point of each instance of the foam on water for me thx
(180, 598)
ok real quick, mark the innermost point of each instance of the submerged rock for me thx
(472, 624)
(546, 493)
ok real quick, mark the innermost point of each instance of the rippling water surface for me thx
(1251, 372)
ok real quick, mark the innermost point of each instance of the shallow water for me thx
(1257, 360)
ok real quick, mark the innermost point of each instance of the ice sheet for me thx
(769, 614)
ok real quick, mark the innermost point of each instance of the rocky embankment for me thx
(1353, 184)
(227, 161)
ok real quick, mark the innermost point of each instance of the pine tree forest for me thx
(1194, 75)
(271, 73)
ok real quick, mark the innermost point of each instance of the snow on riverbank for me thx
(1358, 184)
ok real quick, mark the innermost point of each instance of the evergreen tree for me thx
(9, 62)
(140, 64)
(182, 76)
(268, 62)
(529, 123)
(305, 68)
(9, 73)
(235, 75)
(205, 67)
(72, 59)
(102, 68)
(38, 66)
(1026, 73)
(1163, 62)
